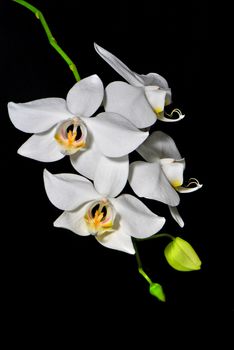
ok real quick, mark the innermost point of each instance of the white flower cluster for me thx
(99, 147)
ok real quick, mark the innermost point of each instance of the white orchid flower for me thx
(64, 127)
(93, 209)
(161, 177)
(141, 102)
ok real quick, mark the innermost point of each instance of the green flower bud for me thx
(157, 291)
(181, 256)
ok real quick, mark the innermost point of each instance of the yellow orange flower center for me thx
(71, 136)
(100, 217)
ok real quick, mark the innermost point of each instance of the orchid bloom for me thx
(141, 102)
(64, 127)
(93, 209)
(161, 177)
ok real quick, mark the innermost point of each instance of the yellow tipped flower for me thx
(181, 256)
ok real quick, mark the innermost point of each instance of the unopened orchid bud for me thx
(181, 256)
(157, 291)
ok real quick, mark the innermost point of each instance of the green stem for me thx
(142, 272)
(139, 263)
(50, 37)
(157, 235)
(155, 289)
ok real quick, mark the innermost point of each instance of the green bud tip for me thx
(157, 291)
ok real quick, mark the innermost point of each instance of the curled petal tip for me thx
(169, 117)
(193, 185)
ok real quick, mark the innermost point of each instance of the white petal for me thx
(176, 215)
(38, 116)
(111, 175)
(121, 68)
(114, 135)
(68, 191)
(182, 189)
(42, 147)
(135, 219)
(131, 77)
(131, 102)
(155, 79)
(74, 221)
(174, 170)
(148, 180)
(156, 98)
(86, 162)
(85, 96)
(117, 240)
(158, 145)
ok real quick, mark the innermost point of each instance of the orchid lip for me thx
(192, 186)
(100, 217)
(71, 136)
(171, 117)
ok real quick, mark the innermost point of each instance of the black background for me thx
(50, 272)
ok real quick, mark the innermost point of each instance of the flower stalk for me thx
(155, 289)
(179, 254)
(50, 37)
(157, 236)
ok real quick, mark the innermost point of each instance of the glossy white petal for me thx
(135, 219)
(148, 180)
(68, 191)
(121, 68)
(85, 96)
(182, 189)
(86, 162)
(156, 80)
(156, 98)
(42, 147)
(39, 115)
(174, 170)
(74, 221)
(158, 145)
(117, 240)
(131, 77)
(130, 102)
(114, 135)
(176, 215)
(111, 175)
